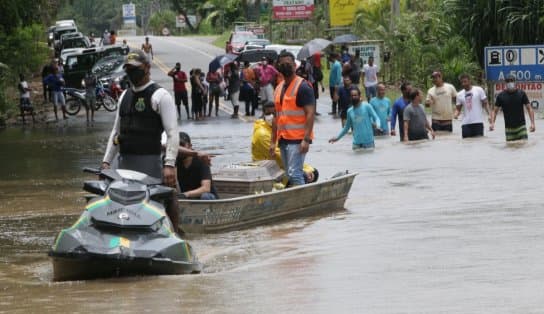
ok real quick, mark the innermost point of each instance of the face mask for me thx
(135, 75)
(511, 85)
(285, 69)
(355, 102)
(265, 63)
(269, 118)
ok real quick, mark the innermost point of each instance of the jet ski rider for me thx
(145, 110)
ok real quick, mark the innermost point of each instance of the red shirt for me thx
(179, 81)
(316, 58)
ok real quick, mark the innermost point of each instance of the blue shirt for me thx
(382, 106)
(344, 97)
(398, 108)
(361, 118)
(54, 81)
(335, 77)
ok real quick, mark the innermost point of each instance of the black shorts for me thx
(442, 127)
(472, 130)
(181, 97)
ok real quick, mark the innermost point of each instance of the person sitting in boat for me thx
(194, 174)
(260, 143)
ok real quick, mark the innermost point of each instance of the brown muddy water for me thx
(445, 226)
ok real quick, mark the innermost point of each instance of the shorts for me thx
(418, 136)
(58, 99)
(446, 127)
(180, 97)
(25, 103)
(362, 146)
(515, 134)
(472, 130)
(371, 91)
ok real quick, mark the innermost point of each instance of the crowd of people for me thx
(286, 128)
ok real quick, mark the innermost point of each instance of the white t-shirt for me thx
(26, 94)
(441, 99)
(471, 101)
(371, 75)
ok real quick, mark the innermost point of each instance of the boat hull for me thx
(248, 211)
(83, 267)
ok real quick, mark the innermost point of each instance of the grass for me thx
(221, 39)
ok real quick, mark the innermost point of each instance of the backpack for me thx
(318, 75)
(21, 88)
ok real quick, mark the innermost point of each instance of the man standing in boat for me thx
(292, 128)
(145, 110)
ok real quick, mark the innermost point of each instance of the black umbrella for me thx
(344, 39)
(256, 55)
(312, 47)
(220, 61)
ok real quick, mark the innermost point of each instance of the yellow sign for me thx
(341, 12)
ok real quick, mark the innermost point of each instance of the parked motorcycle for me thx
(77, 99)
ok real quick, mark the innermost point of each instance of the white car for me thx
(294, 49)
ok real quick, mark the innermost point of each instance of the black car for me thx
(79, 63)
(110, 69)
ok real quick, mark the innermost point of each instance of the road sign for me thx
(526, 63)
(129, 13)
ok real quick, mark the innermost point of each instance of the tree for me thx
(501, 22)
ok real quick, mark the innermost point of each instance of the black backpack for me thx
(318, 75)
(20, 87)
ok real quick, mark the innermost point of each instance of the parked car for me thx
(294, 49)
(51, 35)
(60, 30)
(72, 40)
(66, 23)
(110, 69)
(78, 63)
(237, 40)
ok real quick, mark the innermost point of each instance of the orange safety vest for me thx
(290, 119)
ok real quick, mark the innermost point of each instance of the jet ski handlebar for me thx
(157, 191)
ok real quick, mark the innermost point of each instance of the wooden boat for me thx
(248, 199)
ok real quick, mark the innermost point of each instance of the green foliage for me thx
(92, 16)
(501, 22)
(24, 50)
(420, 41)
(161, 19)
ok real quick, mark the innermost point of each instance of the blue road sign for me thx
(526, 63)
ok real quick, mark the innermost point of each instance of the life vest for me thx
(141, 126)
(290, 119)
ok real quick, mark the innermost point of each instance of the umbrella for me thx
(312, 47)
(220, 61)
(344, 39)
(256, 55)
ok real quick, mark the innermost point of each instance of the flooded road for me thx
(445, 226)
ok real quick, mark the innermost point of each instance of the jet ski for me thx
(123, 231)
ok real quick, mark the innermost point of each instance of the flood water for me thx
(445, 226)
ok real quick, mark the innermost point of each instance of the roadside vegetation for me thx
(425, 34)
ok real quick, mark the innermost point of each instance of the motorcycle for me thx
(77, 99)
(123, 231)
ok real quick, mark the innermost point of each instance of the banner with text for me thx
(365, 51)
(341, 12)
(292, 9)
